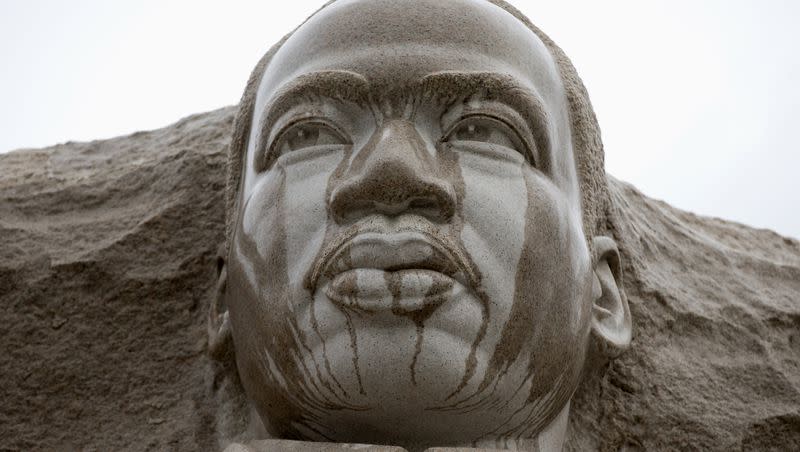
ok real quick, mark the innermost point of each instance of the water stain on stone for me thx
(351, 331)
(431, 301)
(326, 361)
(297, 399)
(282, 254)
(452, 168)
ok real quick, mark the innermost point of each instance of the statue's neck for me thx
(550, 439)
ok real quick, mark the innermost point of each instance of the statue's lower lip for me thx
(399, 291)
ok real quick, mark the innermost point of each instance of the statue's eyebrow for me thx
(503, 88)
(350, 86)
(334, 84)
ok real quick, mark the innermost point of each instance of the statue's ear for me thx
(611, 316)
(219, 327)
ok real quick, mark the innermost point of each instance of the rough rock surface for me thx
(107, 264)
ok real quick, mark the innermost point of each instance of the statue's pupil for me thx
(473, 132)
(304, 137)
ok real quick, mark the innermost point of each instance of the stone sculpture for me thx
(108, 263)
(417, 253)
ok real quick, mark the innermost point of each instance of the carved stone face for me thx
(408, 265)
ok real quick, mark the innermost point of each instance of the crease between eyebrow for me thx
(452, 85)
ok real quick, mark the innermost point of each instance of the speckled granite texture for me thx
(108, 261)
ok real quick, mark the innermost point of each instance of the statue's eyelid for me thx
(270, 150)
(310, 120)
(528, 150)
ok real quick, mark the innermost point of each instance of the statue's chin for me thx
(396, 378)
(419, 369)
(387, 377)
(411, 360)
(417, 414)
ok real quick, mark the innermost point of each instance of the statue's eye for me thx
(307, 134)
(484, 129)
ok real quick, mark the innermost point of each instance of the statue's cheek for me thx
(555, 265)
(493, 206)
(261, 213)
(305, 214)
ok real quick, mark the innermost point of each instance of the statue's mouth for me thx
(403, 271)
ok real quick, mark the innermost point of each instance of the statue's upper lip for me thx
(394, 251)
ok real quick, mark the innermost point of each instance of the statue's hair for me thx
(587, 145)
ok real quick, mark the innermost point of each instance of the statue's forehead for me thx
(394, 43)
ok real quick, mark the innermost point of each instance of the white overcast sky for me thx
(698, 100)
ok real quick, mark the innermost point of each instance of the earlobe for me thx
(219, 329)
(611, 316)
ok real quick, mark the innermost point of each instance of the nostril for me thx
(354, 200)
(422, 204)
(437, 206)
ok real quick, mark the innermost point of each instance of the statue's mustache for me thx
(391, 241)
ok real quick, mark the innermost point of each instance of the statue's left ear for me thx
(219, 328)
(611, 316)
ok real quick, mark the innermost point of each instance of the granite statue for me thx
(110, 258)
(417, 252)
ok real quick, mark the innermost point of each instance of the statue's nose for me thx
(393, 174)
